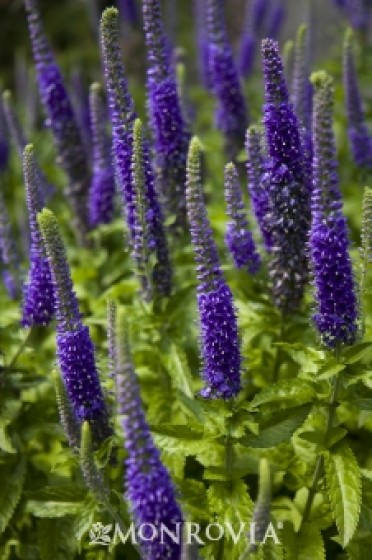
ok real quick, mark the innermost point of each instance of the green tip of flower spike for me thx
(193, 158)
(96, 88)
(7, 97)
(301, 35)
(321, 80)
(49, 229)
(109, 18)
(349, 37)
(264, 493)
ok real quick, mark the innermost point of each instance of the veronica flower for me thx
(276, 17)
(336, 315)
(200, 17)
(219, 333)
(258, 193)
(123, 116)
(285, 180)
(128, 11)
(171, 137)
(149, 487)
(75, 350)
(302, 96)
(256, 11)
(238, 238)
(4, 143)
(9, 257)
(231, 114)
(38, 294)
(359, 136)
(61, 120)
(20, 141)
(102, 188)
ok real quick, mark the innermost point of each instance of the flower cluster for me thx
(61, 120)
(149, 488)
(336, 315)
(231, 112)
(359, 136)
(168, 124)
(75, 350)
(288, 192)
(219, 334)
(102, 188)
(38, 293)
(238, 236)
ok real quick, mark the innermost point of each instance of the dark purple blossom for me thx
(231, 113)
(4, 142)
(337, 311)
(219, 338)
(258, 194)
(9, 257)
(286, 182)
(75, 350)
(122, 112)
(102, 187)
(256, 12)
(61, 120)
(171, 137)
(359, 136)
(149, 487)
(38, 295)
(238, 238)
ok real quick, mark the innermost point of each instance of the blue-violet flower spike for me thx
(219, 338)
(337, 308)
(75, 349)
(238, 238)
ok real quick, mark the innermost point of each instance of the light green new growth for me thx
(261, 513)
(141, 253)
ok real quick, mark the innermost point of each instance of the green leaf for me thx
(56, 540)
(55, 501)
(344, 484)
(278, 427)
(284, 394)
(357, 353)
(179, 431)
(310, 543)
(10, 491)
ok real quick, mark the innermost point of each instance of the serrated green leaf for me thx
(278, 427)
(52, 509)
(284, 394)
(55, 501)
(344, 485)
(310, 543)
(179, 431)
(10, 491)
(357, 352)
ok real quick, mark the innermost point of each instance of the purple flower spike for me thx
(128, 11)
(168, 125)
(9, 257)
(20, 141)
(4, 141)
(231, 113)
(337, 309)
(200, 17)
(286, 181)
(256, 12)
(239, 240)
(75, 350)
(122, 112)
(149, 487)
(38, 293)
(102, 188)
(258, 194)
(61, 120)
(359, 136)
(275, 20)
(219, 338)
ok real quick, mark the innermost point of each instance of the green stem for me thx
(20, 350)
(277, 360)
(318, 473)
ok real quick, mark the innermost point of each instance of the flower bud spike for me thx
(102, 187)
(67, 418)
(219, 341)
(238, 237)
(38, 292)
(9, 257)
(75, 350)
(149, 487)
(261, 513)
